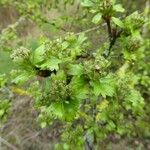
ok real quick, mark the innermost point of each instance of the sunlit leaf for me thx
(118, 8)
(118, 22)
(97, 18)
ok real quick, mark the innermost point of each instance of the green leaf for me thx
(57, 109)
(51, 64)
(61, 75)
(129, 55)
(71, 108)
(113, 1)
(3, 80)
(38, 55)
(65, 45)
(118, 22)
(43, 124)
(118, 8)
(75, 69)
(105, 86)
(79, 88)
(87, 3)
(97, 18)
(81, 38)
(133, 15)
(97, 88)
(22, 78)
(134, 101)
(93, 11)
(65, 110)
(2, 111)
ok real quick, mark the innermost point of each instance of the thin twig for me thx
(10, 133)
(31, 137)
(91, 29)
(8, 144)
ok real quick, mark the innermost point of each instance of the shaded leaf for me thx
(79, 88)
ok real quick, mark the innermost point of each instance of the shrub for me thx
(93, 92)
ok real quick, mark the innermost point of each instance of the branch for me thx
(112, 42)
(94, 119)
(113, 35)
(109, 29)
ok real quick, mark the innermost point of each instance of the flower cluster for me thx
(20, 54)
